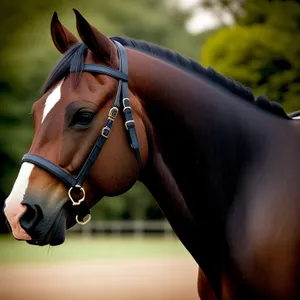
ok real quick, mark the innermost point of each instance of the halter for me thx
(80, 205)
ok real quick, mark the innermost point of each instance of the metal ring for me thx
(89, 217)
(77, 202)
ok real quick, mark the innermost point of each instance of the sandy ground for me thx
(119, 279)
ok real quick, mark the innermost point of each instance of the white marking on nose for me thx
(21, 183)
(51, 100)
(13, 207)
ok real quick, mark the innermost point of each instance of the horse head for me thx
(84, 96)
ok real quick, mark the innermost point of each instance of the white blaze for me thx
(13, 208)
(51, 100)
(21, 184)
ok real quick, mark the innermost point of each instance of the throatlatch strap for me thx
(129, 122)
(130, 127)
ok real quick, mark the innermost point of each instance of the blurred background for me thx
(254, 42)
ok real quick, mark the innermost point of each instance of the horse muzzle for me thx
(45, 223)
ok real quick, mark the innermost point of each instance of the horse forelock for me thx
(71, 62)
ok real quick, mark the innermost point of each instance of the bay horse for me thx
(224, 172)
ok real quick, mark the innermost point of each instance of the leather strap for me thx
(50, 167)
(105, 71)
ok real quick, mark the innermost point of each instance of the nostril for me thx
(30, 217)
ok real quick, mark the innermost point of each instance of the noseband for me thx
(122, 103)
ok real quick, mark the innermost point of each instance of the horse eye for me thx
(82, 118)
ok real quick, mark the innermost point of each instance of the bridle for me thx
(75, 183)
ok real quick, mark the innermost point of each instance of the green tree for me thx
(261, 52)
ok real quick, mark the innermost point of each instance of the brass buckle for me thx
(89, 217)
(74, 202)
(128, 122)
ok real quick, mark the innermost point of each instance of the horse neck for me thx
(205, 147)
(196, 127)
(192, 131)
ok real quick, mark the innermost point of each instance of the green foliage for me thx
(136, 204)
(262, 52)
(219, 7)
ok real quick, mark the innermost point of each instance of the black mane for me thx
(73, 61)
(195, 68)
(188, 65)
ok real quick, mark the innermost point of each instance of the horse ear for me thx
(62, 38)
(100, 45)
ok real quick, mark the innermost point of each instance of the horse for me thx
(223, 171)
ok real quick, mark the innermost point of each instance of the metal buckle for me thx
(128, 122)
(81, 189)
(126, 107)
(89, 217)
(124, 101)
(103, 131)
(113, 112)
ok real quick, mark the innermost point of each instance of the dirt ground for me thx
(119, 279)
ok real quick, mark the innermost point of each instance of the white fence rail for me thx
(135, 228)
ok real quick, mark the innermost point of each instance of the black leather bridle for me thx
(122, 103)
